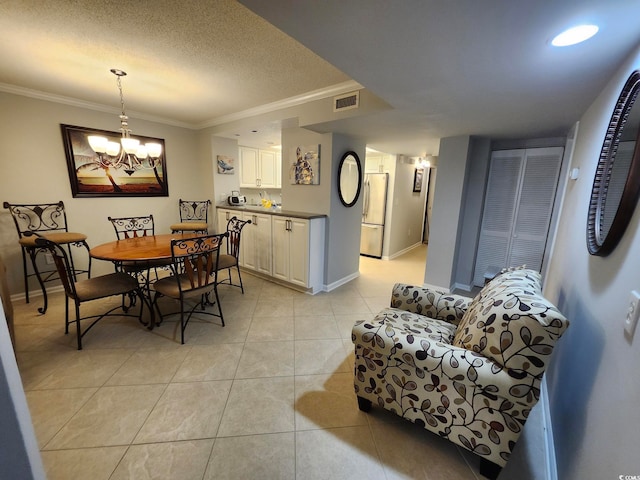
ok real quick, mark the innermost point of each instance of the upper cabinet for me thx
(259, 168)
(378, 162)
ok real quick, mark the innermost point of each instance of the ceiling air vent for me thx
(346, 101)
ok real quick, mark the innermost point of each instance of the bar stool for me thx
(50, 221)
(193, 216)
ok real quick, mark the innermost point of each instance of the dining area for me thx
(149, 275)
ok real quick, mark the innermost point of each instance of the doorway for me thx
(431, 182)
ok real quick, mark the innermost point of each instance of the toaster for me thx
(236, 199)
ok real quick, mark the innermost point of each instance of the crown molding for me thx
(74, 102)
(319, 94)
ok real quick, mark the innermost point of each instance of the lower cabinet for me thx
(255, 243)
(291, 250)
(298, 251)
(288, 249)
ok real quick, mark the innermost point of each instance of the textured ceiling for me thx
(188, 61)
(446, 68)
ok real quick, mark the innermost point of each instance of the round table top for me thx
(155, 247)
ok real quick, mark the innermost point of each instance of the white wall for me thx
(471, 219)
(593, 381)
(407, 209)
(307, 198)
(447, 205)
(342, 254)
(223, 184)
(34, 170)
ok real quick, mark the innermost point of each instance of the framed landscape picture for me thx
(112, 174)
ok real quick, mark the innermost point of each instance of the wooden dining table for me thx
(139, 249)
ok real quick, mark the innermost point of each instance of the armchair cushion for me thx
(511, 322)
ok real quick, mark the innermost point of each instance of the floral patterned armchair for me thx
(468, 370)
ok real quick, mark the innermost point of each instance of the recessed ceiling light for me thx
(574, 35)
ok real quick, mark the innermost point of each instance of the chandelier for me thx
(128, 154)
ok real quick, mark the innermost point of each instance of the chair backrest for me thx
(130, 227)
(196, 259)
(197, 210)
(61, 260)
(39, 217)
(234, 229)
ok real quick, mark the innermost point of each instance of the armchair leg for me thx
(489, 469)
(364, 404)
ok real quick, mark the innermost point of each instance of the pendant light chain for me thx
(124, 120)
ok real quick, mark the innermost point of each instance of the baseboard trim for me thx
(37, 293)
(342, 281)
(436, 287)
(461, 286)
(550, 451)
(402, 252)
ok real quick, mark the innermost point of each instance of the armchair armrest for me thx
(440, 363)
(431, 303)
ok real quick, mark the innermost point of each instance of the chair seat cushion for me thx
(61, 238)
(189, 226)
(105, 286)
(392, 326)
(168, 286)
(226, 261)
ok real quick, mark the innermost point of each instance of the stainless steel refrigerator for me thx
(373, 213)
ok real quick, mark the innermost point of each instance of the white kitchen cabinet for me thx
(248, 166)
(378, 163)
(259, 168)
(255, 242)
(281, 247)
(298, 251)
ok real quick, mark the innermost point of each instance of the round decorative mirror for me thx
(616, 185)
(349, 179)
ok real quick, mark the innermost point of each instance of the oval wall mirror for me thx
(616, 185)
(349, 179)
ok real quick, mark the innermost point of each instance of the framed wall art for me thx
(305, 165)
(113, 172)
(417, 179)
(226, 165)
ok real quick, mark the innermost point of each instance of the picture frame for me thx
(226, 165)
(100, 175)
(418, 174)
(305, 165)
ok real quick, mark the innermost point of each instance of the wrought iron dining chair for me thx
(113, 284)
(50, 221)
(230, 259)
(193, 278)
(132, 227)
(193, 216)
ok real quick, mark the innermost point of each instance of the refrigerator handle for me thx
(366, 200)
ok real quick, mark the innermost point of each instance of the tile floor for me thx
(269, 396)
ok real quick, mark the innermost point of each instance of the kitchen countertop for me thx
(272, 211)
